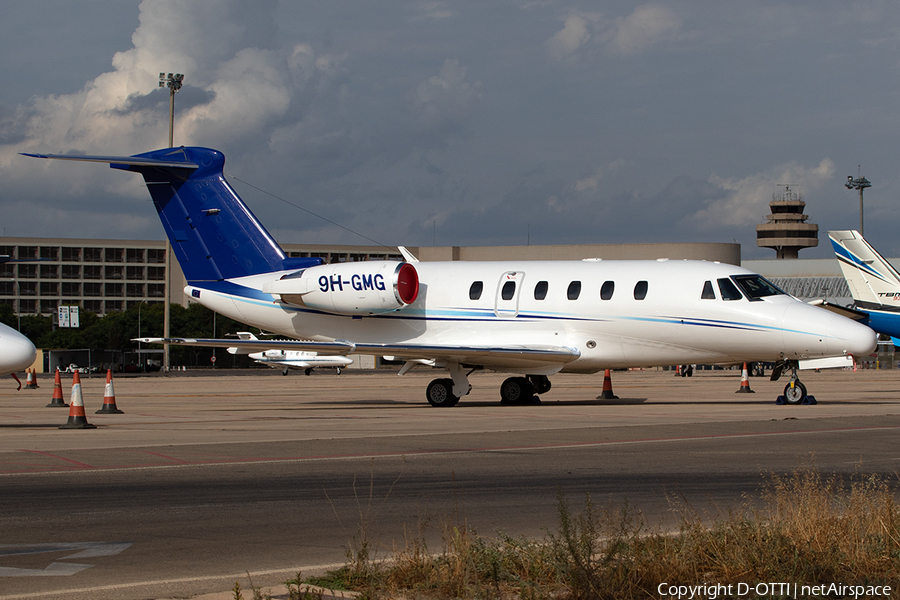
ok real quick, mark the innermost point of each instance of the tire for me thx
(440, 393)
(795, 395)
(516, 390)
(337, 370)
(308, 371)
(540, 383)
(284, 371)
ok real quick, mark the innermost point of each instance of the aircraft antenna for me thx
(307, 211)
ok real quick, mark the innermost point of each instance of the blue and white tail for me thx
(873, 282)
(214, 235)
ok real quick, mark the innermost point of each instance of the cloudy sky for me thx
(461, 123)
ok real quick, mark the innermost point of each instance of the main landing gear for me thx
(515, 390)
(794, 391)
(523, 390)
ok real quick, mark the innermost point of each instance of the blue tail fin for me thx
(214, 235)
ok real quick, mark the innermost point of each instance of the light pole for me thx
(860, 183)
(18, 308)
(140, 356)
(173, 82)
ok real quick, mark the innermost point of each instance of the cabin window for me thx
(728, 290)
(540, 290)
(708, 292)
(475, 290)
(574, 290)
(607, 289)
(756, 287)
(640, 290)
(508, 290)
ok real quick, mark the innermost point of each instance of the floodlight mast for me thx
(172, 81)
(860, 183)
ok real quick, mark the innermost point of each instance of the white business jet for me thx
(531, 319)
(291, 359)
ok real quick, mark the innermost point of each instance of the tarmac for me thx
(175, 419)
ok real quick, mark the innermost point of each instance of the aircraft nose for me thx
(18, 352)
(849, 337)
(813, 332)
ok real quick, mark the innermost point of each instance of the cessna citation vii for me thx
(531, 319)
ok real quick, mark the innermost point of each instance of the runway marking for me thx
(81, 465)
(58, 569)
(309, 569)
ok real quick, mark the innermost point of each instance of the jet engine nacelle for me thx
(358, 288)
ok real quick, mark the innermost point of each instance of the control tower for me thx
(787, 231)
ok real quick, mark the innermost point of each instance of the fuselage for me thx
(614, 313)
(299, 360)
(16, 351)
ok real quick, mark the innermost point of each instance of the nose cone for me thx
(849, 337)
(813, 332)
(16, 351)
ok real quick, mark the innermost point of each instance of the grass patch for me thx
(804, 528)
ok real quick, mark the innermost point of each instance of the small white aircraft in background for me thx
(291, 359)
(532, 319)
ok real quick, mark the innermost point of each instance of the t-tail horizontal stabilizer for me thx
(213, 233)
(873, 281)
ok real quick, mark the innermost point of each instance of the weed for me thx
(803, 528)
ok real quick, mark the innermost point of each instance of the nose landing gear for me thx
(794, 392)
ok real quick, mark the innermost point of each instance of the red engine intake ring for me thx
(407, 283)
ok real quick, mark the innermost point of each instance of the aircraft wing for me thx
(488, 356)
(337, 347)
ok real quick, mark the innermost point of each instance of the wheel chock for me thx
(808, 400)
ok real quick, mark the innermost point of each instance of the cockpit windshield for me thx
(756, 287)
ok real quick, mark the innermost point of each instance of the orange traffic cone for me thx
(745, 382)
(77, 418)
(109, 398)
(30, 380)
(607, 393)
(57, 399)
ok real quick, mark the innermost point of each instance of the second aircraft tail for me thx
(873, 281)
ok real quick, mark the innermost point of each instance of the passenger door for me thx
(506, 302)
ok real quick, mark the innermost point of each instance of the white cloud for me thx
(648, 25)
(745, 200)
(572, 36)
